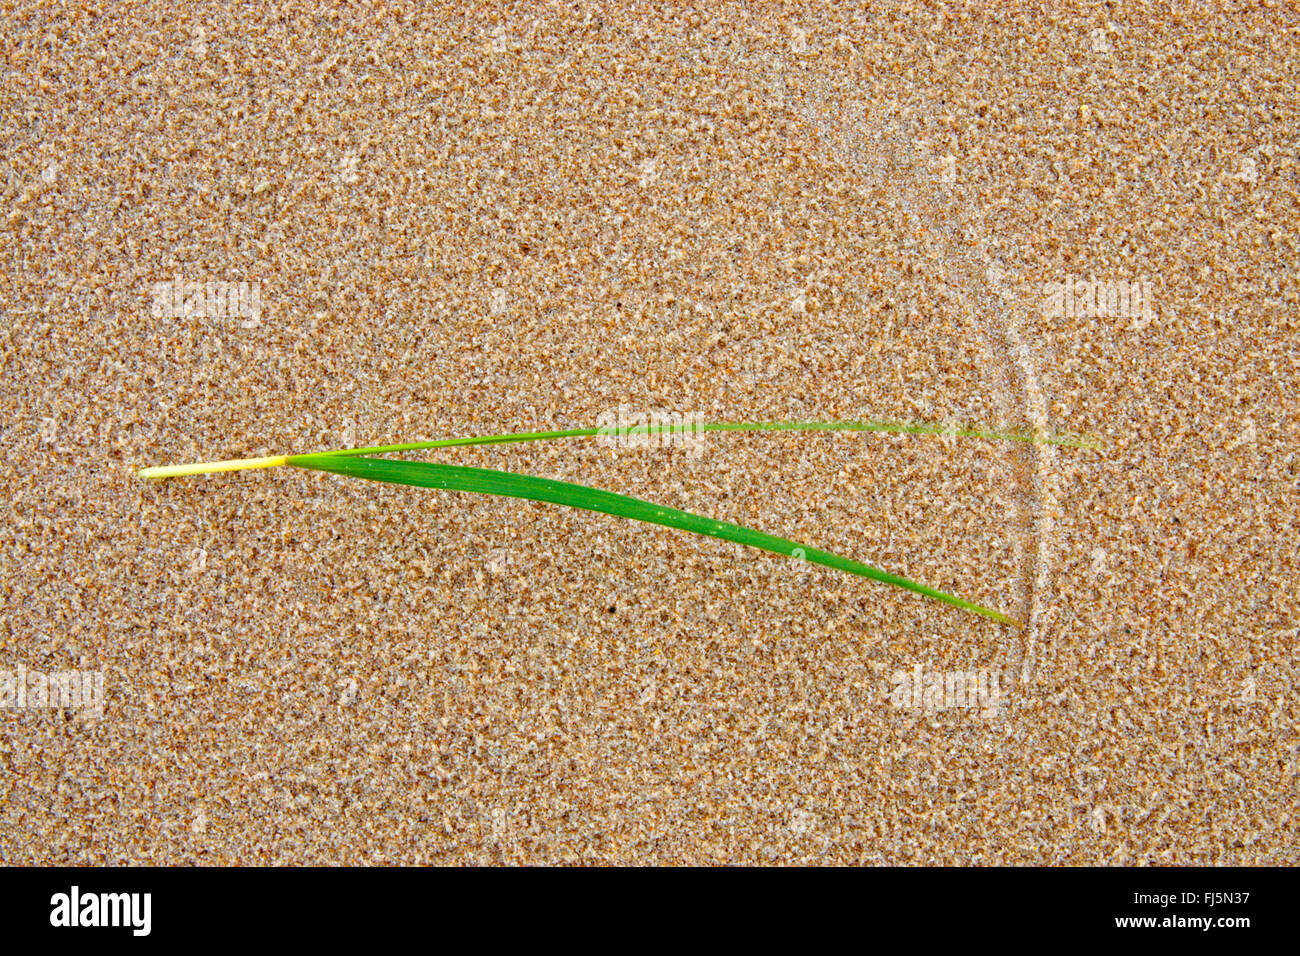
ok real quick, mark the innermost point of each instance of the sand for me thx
(527, 216)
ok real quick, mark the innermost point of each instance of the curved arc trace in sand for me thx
(858, 146)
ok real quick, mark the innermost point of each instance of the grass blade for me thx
(898, 428)
(513, 485)
(901, 428)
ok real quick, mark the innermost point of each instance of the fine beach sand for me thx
(527, 216)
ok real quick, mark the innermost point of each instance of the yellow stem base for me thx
(208, 467)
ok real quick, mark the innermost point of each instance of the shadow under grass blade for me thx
(512, 485)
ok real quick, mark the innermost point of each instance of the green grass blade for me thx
(906, 428)
(512, 485)
(901, 428)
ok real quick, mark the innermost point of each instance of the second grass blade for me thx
(513, 485)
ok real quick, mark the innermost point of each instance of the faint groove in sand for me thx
(886, 154)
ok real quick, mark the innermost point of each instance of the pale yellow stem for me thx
(207, 467)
